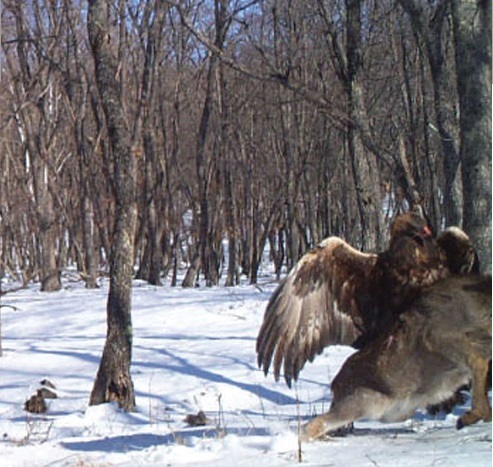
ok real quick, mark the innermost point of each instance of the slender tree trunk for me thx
(113, 381)
(228, 163)
(50, 276)
(431, 34)
(190, 279)
(203, 171)
(204, 164)
(87, 210)
(276, 245)
(153, 174)
(88, 242)
(472, 33)
(290, 186)
(232, 276)
(247, 235)
(363, 166)
(34, 126)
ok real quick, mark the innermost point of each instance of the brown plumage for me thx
(336, 294)
(461, 257)
(438, 344)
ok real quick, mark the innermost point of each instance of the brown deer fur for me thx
(440, 343)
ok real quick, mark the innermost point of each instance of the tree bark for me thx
(205, 165)
(145, 125)
(113, 381)
(431, 33)
(363, 167)
(472, 35)
(35, 124)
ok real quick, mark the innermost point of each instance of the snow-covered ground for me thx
(194, 349)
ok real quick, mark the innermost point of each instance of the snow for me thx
(194, 349)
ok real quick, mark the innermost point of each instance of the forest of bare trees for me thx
(248, 126)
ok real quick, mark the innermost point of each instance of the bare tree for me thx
(113, 381)
(365, 171)
(429, 24)
(78, 104)
(37, 124)
(251, 121)
(472, 33)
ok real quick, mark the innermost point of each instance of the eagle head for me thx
(414, 258)
(410, 225)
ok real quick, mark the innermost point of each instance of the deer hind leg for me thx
(480, 406)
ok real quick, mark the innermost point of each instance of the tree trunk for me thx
(431, 33)
(50, 276)
(145, 124)
(232, 276)
(472, 34)
(205, 165)
(363, 167)
(88, 241)
(34, 126)
(190, 279)
(50, 279)
(203, 170)
(113, 381)
(87, 215)
(276, 245)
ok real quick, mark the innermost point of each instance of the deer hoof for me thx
(471, 417)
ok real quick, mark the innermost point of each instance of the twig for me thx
(298, 417)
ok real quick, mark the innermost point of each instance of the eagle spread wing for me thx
(315, 305)
(336, 294)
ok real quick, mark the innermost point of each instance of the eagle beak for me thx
(427, 231)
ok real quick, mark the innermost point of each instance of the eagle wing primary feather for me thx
(314, 306)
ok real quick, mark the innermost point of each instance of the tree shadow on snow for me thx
(142, 441)
(181, 365)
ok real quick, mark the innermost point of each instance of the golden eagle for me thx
(336, 294)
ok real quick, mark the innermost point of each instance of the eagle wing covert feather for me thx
(314, 306)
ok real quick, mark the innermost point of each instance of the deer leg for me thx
(319, 426)
(480, 407)
(343, 411)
